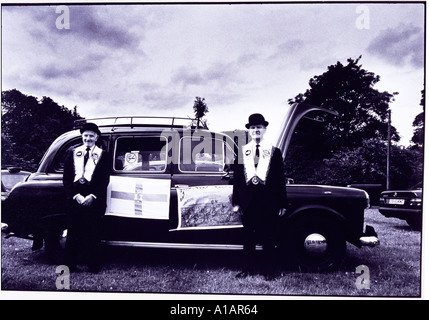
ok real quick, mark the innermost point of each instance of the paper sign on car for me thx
(138, 197)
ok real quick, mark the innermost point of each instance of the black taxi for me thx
(171, 187)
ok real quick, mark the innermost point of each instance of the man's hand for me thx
(80, 199)
(88, 201)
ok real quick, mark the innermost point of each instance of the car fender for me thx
(315, 210)
(31, 201)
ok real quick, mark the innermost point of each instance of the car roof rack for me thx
(142, 121)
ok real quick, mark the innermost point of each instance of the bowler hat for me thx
(255, 119)
(89, 126)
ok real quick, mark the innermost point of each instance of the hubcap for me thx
(315, 244)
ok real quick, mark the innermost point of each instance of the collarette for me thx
(262, 144)
(91, 149)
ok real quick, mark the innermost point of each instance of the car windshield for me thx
(418, 186)
(9, 180)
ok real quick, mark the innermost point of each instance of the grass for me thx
(394, 270)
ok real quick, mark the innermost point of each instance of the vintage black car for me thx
(171, 188)
(403, 204)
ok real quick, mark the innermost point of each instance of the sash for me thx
(258, 174)
(87, 172)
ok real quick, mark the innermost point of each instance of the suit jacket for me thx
(97, 186)
(272, 194)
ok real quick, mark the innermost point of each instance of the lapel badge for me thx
(255, 180)
(79, 154)
(247, 152)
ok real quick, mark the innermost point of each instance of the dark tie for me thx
(85, 158)
(257, 155)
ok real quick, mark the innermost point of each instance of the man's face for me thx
(89, 138)
(257, 132)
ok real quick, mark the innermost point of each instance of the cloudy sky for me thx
(155, 59)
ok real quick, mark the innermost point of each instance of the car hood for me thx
(304, 190)
(294, 114)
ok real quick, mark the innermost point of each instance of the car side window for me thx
(202, 154)
(58, 163)
(141, 154)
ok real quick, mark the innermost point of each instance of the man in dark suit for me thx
(86, 177)
(259, 195)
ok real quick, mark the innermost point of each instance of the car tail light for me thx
(416, 202)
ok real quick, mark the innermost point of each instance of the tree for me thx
(349, 90)
(349, 148)
(418, 124)
(200, 109)
(30, 126)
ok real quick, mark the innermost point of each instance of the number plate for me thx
(397, 201)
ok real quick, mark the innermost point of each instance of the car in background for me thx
(9, 178)
(403, 204)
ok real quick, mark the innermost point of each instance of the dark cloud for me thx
(218, 73)
(94, 25)
(291, 46)
(90, 24)
(87, 63)
(399, 46)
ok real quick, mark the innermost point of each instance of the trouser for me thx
(83, 237)
(267, 264)
(259, 228)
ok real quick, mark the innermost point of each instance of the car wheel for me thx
(415, 223)
(314, 243)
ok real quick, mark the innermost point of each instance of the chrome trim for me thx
(315, 244)
(200, 246)
(370, 241)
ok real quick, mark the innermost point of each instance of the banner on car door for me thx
(206, 207)
(138, 198)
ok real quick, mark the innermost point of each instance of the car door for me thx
(203, 190)
(138, 204)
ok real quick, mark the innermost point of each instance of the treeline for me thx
(29, 126)
(352, 147)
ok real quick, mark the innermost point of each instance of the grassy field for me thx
(394, 270)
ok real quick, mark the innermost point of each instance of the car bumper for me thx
(369, 238)
(400, 213)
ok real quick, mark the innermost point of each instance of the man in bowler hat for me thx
(259, 195)
(86, 177)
